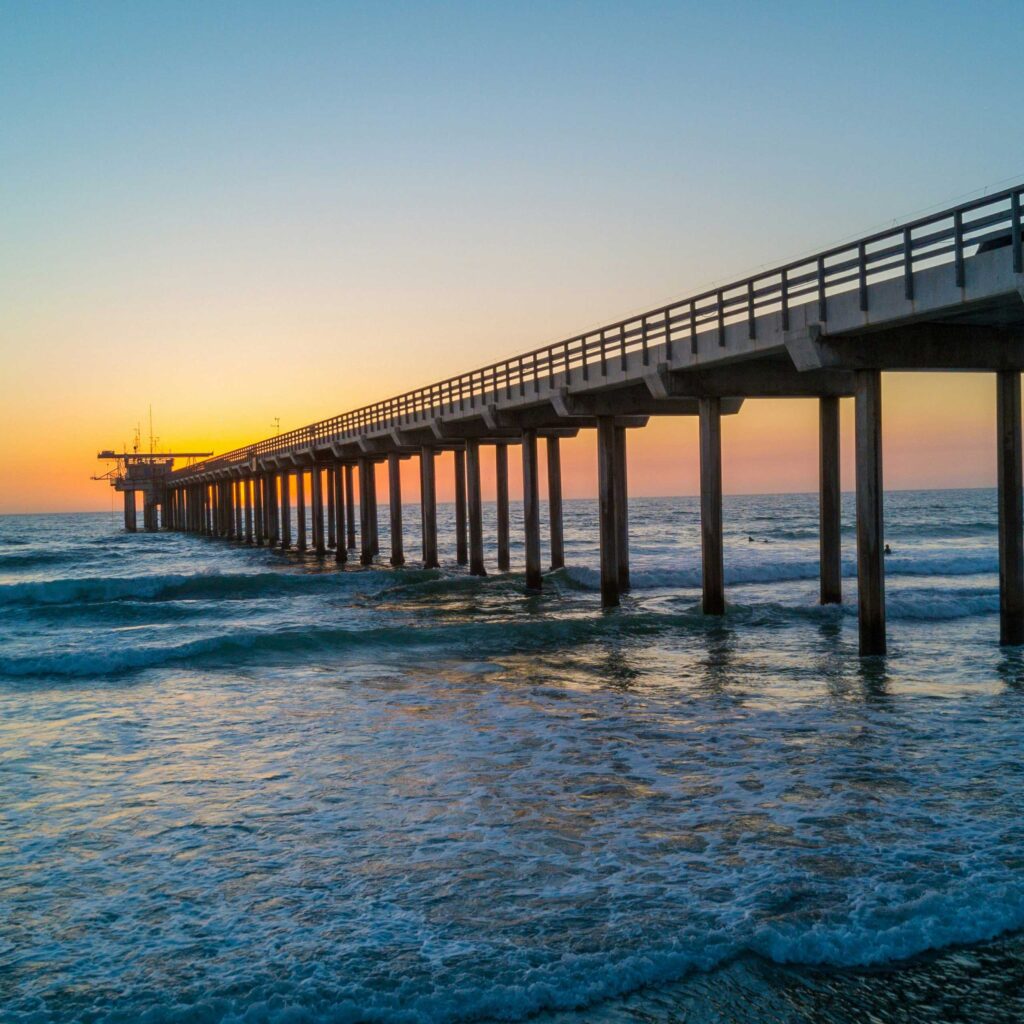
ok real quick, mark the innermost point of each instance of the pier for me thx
(942, 292)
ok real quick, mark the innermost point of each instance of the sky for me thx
(242, 212)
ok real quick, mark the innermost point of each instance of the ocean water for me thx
(239, 785)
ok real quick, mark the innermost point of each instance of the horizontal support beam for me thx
(915, 346)
(769, 378)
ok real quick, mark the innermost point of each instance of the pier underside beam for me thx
(501, 503)
(829, 502)
(531, 509)
(395, 504)
(712, 568)
(870, 530)
(1011, 509)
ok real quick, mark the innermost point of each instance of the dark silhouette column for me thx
(461, 550)
(248, 485)
(130, 520)
(621, 509)
(338, 488)
(300, 510)
(475, 509)
(607, 518)
(531, 509)
(555, 503)
(395, 502)
(331, 517)
(286, 511)
(829, 502)
(350, 508)
(371, 496)
(1011, 511)
(501, 479)
(365, 504)
(428, 507)
(870, 530)
(317, 500)
(272, 508)
(713, 573)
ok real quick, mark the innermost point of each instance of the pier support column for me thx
(350, 508)
(338, 483)
(621, 510)
(555, 503)
(247, 483)
(870, 531)
(475, 509)
(365, 529)
(286, 511)
(375, 537)
(258, 510)
(300, 510)
(130, 521)
(531, 509)
(1011, 508)
(332, 534)
(428, 507)
(712, 568)
(273, 509)
(461, 549)
(607, 519)
(829, 502)
(395, 503)
(501, 480)
(316, 480)
(239, 509)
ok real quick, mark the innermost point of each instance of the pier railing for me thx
(931, 240)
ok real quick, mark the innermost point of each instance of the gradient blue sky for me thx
(241, 211)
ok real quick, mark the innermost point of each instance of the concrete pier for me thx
(531, 510)
(371, 499)
(607, 519)
(555, 502)
(941, 292)
(501, 511)
(829, 502)
(1011, 508)
(461, 547)
(395, 505)
(300, 511)
(428, 507)
(350, 507)
(475, 509)
(870, 532)
(712, 566)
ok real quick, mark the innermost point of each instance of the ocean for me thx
(239, 785)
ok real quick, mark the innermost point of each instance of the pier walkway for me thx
(943, 292)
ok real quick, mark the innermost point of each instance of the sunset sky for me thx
(236, 212)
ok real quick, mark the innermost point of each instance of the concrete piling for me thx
(531, 509)
(712, 567)
(395, 504)
(1011, 508)
(829, 502)
(870, 530)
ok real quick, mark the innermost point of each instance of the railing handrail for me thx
(714, 307)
